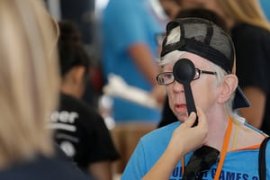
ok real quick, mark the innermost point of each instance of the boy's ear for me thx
(228, 87)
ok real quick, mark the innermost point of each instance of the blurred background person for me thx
(188, 4)
(84, 14)
(250, 33)
(29, 84)
(79, 130)
(129, 51)
(170, 7)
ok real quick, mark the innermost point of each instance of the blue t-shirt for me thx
(238, 165)
(125, 23)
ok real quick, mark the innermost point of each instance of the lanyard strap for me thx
(224, 148)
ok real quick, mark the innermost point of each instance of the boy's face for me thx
(204, 89)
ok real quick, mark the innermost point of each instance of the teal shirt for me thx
(125, 23)
(238, 165)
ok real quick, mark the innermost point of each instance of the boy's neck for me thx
(217, 126)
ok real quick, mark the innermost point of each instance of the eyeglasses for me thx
(167, 78)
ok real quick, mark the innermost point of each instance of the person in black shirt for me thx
(79, 130)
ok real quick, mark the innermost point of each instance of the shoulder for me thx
(75, 111)
(160, 136)
(247, 137)
(148, 151)
(250, 32)
(70, 103)
(39, 168)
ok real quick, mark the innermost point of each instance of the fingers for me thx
(201, 117)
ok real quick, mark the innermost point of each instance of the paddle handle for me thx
(190, 102)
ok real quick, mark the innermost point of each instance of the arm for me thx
(142, 57)
(101, 170)
(179, 146)
(255, 113)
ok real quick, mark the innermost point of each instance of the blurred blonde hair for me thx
(247, 11)
(29, 79)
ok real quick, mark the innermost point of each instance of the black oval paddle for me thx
(184, 72)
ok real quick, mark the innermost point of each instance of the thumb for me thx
(191, 119)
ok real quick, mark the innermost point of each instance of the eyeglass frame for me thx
(197, 75)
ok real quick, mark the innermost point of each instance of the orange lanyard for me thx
(223, 153)
(224, 149)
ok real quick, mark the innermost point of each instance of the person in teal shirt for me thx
(230, 149)
(129, 51)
